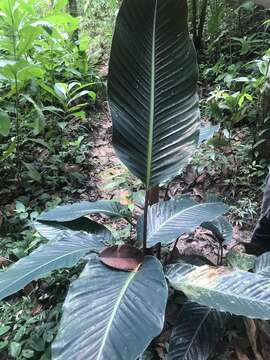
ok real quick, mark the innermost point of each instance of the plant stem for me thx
(145, 213)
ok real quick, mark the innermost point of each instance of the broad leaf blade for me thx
(74, 211)
(170, 219)
(196, 332)
(262, 265)
(116, 314)
(152, 89)
(235, 291)
(52, 230)
(65, 252)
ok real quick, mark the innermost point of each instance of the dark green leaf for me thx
(170, 219)
(74, 211)
(52, 229)
(111, 314)
(152, 89)
(234, 291)
(196, 332)
(65, 252)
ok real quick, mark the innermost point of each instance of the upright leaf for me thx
(111, 314)
(170, 219)
(196, 332)
(74, 211)
(152, 89)
(65, 252)
(235, 291)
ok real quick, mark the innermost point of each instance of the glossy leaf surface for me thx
(111, 314)
(196, 332)
(65, 252)
(170, 219)
(74, 211)
(152, 89)
(235, 291)
(53, 229)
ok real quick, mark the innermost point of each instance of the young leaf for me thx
(152, 89)
(235, 291)
(196, 332)
(52, 229)
(115, 314)
(122, 257)
(74, 211)
(170, 219)
(65, 252)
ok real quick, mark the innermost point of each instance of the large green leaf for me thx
(53, 229)
(170, 219)
(74, 211)
(152, 89)
(111, 314)
(262, 265)
(65, 252)
(196, 332)
(235, 291)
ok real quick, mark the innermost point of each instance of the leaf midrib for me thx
(165, 223)
(39, 267)
(152, 102)
(115, 309)
(220, 292)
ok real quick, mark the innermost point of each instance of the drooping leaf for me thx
(221, 228)
(207, 132)
(196, 332)
(112, 314)
(152, 89)
(52, 229)
(170, 219)
(234, 291)
(74, 211)
(122, 257)
(262, 265)
(65, 252)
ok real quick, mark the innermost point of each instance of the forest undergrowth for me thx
(55, 146)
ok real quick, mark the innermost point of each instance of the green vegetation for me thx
(116, 240)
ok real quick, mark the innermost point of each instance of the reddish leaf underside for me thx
(122, 257)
